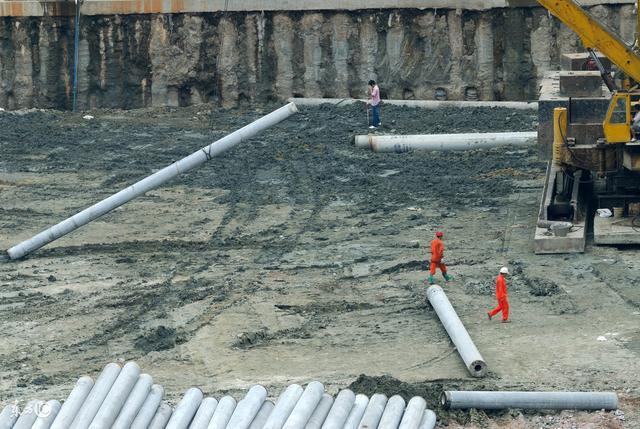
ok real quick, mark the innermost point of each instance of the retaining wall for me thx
(146, 59)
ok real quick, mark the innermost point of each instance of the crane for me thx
(602, 166)
(595, 36)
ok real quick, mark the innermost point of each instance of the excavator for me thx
(594, 170)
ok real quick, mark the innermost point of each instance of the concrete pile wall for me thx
(137, 60)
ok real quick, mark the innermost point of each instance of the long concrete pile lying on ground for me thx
(459, 336)
(487, 400)
(123, 398)
(423, 104)
(443, 142)
(150, 182)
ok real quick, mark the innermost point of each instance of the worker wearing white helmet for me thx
(501, 295)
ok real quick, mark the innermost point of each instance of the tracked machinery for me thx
(594, 170)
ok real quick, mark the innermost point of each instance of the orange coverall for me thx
(501, 295)
(437, 251)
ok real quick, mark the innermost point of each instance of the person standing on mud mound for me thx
(437, 253)
(374, 101)
(501, 295)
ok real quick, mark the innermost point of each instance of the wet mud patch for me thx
(404, 267)
(390, 386)
(263, 337)
(632, 343)
(326, 307)
(550, 294)
(475, 287)
(611, 274)
(541, 287)
(431, 392)
(562, 304)
(159, 338)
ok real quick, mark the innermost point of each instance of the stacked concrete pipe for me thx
(125, 398)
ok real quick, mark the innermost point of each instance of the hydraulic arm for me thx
(592, 167)
(595, 35)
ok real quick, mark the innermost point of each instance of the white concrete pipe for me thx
(94, 400)
(444, 142)
(186, 409)
(151, 182)
(223, 413)
(413, 414)
(320, 413)
(47, 415)
(284, 405)
(424, 104)
(28, 415)
(392, 413)
(117, 396)
(161, 418)
(203, 415)
(134, 402)
(149, 407)
(8, 417)
(428, 420)
(355, 416)
(373, 412)
(305, 406)
(530, 400)
(262, 416)
(340, 410)
(458, 334)
(72, 404)
(247, 408)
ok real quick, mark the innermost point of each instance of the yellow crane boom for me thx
(595, 35)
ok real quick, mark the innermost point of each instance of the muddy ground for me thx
(297, 257)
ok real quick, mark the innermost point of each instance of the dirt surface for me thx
(297, 257)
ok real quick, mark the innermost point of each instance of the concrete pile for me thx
(124, 398)
(444, 142)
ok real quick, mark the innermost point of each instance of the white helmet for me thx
(504, 270)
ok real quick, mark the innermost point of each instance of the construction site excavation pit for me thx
(295, 257)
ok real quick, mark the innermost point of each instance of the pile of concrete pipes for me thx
(123, 398)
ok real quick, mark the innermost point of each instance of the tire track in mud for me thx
(135, 248)
(611, 278)
(139, 304)
(234, 237)
(218, 235)
(161, 298)
(297, 184)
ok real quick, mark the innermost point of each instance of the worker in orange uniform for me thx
(501, 295)
(437, 252)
